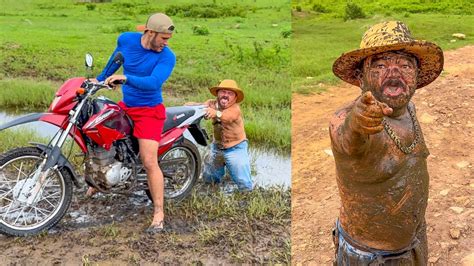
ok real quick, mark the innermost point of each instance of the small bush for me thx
(123, 28)
(353, 11)
(319, 8)
(206, 10)
(200, 30)
(91, 7)
(298, 8)
(286, 33)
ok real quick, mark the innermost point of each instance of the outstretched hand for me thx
(367, 114)
(210, 113)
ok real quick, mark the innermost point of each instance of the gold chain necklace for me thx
(396, 139)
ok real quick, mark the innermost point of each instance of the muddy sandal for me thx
(91, 192)
(155, 228)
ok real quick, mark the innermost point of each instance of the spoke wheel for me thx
(28, 207)
(181, 167)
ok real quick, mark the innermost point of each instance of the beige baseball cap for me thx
(158, 22)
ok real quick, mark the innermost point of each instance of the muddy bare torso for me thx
(383, 191)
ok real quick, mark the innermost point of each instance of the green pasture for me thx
(321, 33)
(43, 43)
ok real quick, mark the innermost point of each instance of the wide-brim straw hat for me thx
(391, 36)
(229, 84)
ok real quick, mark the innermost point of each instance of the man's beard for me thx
(224, 101)
(153, 46)
(394, 92)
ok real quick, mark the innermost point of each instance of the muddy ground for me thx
(445, 110)
(209, 227)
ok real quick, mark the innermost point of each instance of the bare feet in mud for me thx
(91, 192)
(157, 225)
(155, 228)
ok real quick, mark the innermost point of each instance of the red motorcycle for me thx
(36, 182)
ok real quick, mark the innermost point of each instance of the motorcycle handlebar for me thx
(93, 87)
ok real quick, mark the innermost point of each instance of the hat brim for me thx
(430, 58)
(238, 92)
(141, 27)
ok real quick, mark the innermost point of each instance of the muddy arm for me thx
(344, 139)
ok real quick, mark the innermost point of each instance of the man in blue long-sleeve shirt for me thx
(148, 62)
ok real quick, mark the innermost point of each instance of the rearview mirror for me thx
(89, 60)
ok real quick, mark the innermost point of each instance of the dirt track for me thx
(445, 110)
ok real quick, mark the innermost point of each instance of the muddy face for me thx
(226, 98)
(391, 77)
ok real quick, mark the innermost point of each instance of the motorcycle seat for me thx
(176, 116)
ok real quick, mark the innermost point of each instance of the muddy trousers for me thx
(351, 253)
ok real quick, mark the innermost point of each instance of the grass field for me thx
(321, 34)
(42, 43)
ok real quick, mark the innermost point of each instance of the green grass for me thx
(320, 38)
(44, 42)
(235, 221)
(10, 139)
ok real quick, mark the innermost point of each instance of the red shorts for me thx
(148, 122)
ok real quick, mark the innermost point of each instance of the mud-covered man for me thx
(230, 146)
(379, 149)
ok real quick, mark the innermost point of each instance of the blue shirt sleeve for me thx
(111, 66)
(161, 72)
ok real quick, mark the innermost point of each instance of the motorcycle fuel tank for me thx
(109, 124)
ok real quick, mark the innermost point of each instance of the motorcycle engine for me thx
(102, 167)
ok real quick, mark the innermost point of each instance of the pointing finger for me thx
(368, 98)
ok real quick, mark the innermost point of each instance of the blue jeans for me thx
(348, 254)
(235, 159)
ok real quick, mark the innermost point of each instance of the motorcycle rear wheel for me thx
(181, 167)
(19, 217)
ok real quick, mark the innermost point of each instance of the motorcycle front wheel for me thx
(27, 208)
(181, 167)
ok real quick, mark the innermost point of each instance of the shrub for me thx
(200, 30)
(319, 8)
(206, 10)
(286, 33)
(298, 8)
(91, 7)
(353, 11)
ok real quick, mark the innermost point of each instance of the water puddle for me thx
(269, 168)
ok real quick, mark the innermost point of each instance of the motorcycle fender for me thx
(169, 138)
(198, 134)
(22, 120)
(62, 162)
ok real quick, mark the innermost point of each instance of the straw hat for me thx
(391, 36)
(229, 84)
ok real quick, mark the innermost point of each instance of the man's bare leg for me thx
(149, 157)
